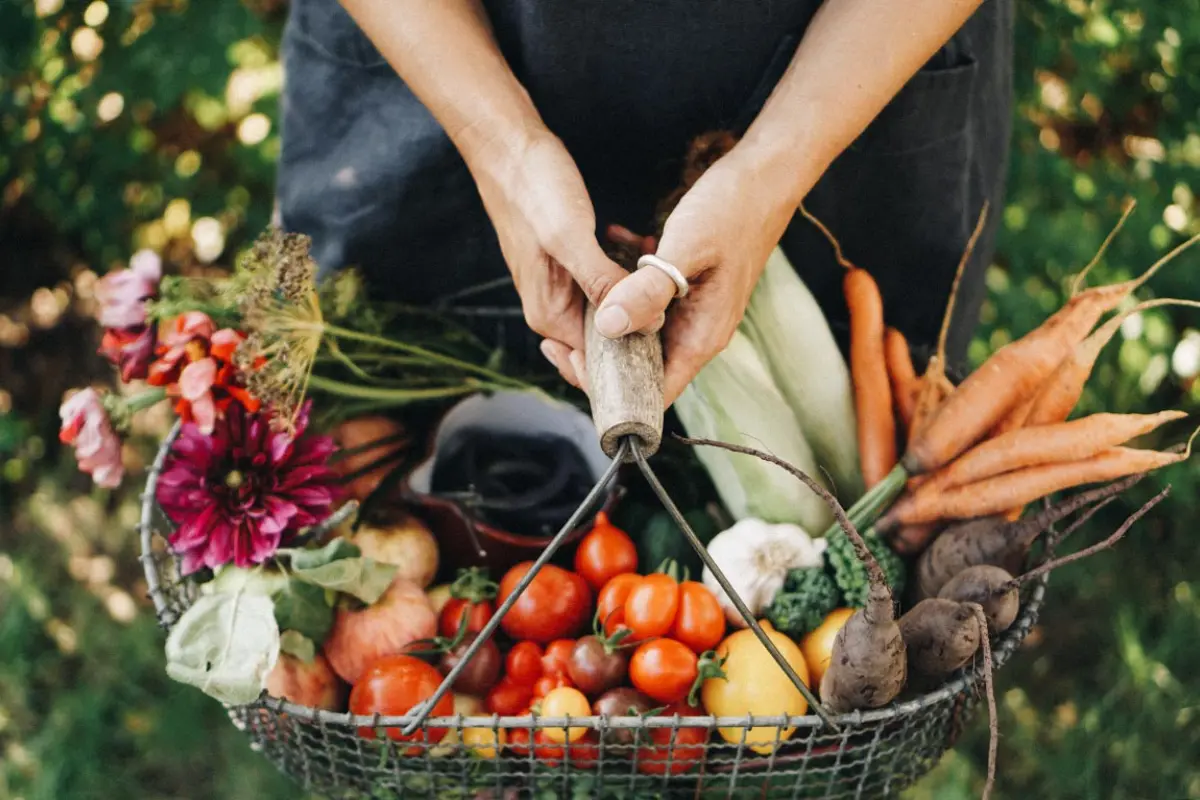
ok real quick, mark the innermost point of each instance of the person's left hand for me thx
(719, 237)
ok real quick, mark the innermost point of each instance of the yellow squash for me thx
(754, 684)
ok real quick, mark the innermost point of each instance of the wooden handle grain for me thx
(625, 378)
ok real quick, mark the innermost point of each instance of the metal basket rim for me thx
(967, 677)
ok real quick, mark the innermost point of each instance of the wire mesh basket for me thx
(861, 755)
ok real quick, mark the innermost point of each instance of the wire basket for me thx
(869, 754)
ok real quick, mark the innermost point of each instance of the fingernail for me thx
(547, 348)
(613, 321)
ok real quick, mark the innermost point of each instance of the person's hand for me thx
(546, 225)
(719, 236)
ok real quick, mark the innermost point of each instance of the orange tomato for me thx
(651, 606)
(699, 622)
(606, 551)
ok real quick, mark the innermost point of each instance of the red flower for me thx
(195, 363)
(130, 349)
(244, 491)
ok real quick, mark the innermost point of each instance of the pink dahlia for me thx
(244, 491)
(86, 426)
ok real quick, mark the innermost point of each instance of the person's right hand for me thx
(546, 225)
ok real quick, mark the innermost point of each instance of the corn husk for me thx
(735, 400)
(791, 334)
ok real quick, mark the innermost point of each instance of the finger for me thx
(553, 306)
(579, 366)
(559, 355)
(574, 246)
(639, 300)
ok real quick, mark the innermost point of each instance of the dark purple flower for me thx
(240, 493)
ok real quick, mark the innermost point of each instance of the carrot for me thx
(1015, 371)
(903, 376)
(868, 373)
(1062, 390)
(911, 539)
(868, 365)
(1020, 487)
(1045, 444)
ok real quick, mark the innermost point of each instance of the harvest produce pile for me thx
(355, 489)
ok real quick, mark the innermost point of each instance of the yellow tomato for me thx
(562, 702)
(817, 646)
(754, 684)
(484, 742)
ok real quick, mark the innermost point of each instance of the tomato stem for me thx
(708, 667)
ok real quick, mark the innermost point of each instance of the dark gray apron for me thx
(368, 173)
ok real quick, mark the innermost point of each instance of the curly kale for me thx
(850, 574)
(807, 597)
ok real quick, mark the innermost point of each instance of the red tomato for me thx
(663, 756)
(555, 605)
(518, 741)
(548, 683)
(616, 622)
(508, 699)
(651, 606)
(612, 596)
(699, 622)
(557, 658)
(477, 615)
(524, 663)
(605, 552)
(392, 686)
(663, 669)
(583, 754)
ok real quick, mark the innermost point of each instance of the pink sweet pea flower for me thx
(85, 424)
(131, 351)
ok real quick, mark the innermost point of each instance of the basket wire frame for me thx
(863, 754)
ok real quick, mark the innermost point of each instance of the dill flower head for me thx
(281, 314)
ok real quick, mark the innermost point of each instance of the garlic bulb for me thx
(756, 556)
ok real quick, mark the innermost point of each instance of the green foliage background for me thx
(153, 124)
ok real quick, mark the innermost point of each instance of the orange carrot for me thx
(868, 372)
(868, 365)
(1062, 390)
(1016, 418)
(903, 376)
(1017, 370)
(1045, 444)
(1000, 493)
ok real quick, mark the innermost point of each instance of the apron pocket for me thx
(327, 29)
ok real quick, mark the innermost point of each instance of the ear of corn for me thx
(791, 334)
(734, 399)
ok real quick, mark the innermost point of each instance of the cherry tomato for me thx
(481, 672)
(548, 683)
(518, 741)
(392, 686)
(663, 756)
(557, 658)
(555, 605)
(699, 622)
(583, 754)
(508, 699)
(565, 702)
(663, 669)
(524, 663)
(651, 606)
(612, 596)
(606, 551)
(456, 608)
(596, 666)
(484, 742)
(616, 622)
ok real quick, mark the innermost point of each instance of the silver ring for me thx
(668, 269)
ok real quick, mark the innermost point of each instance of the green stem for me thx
(377, 358)
(148, 398)
(348, 363)
(342, 389)
(495, 377)
(878, 499)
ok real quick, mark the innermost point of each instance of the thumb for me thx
(580, 254)
(640, 300)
